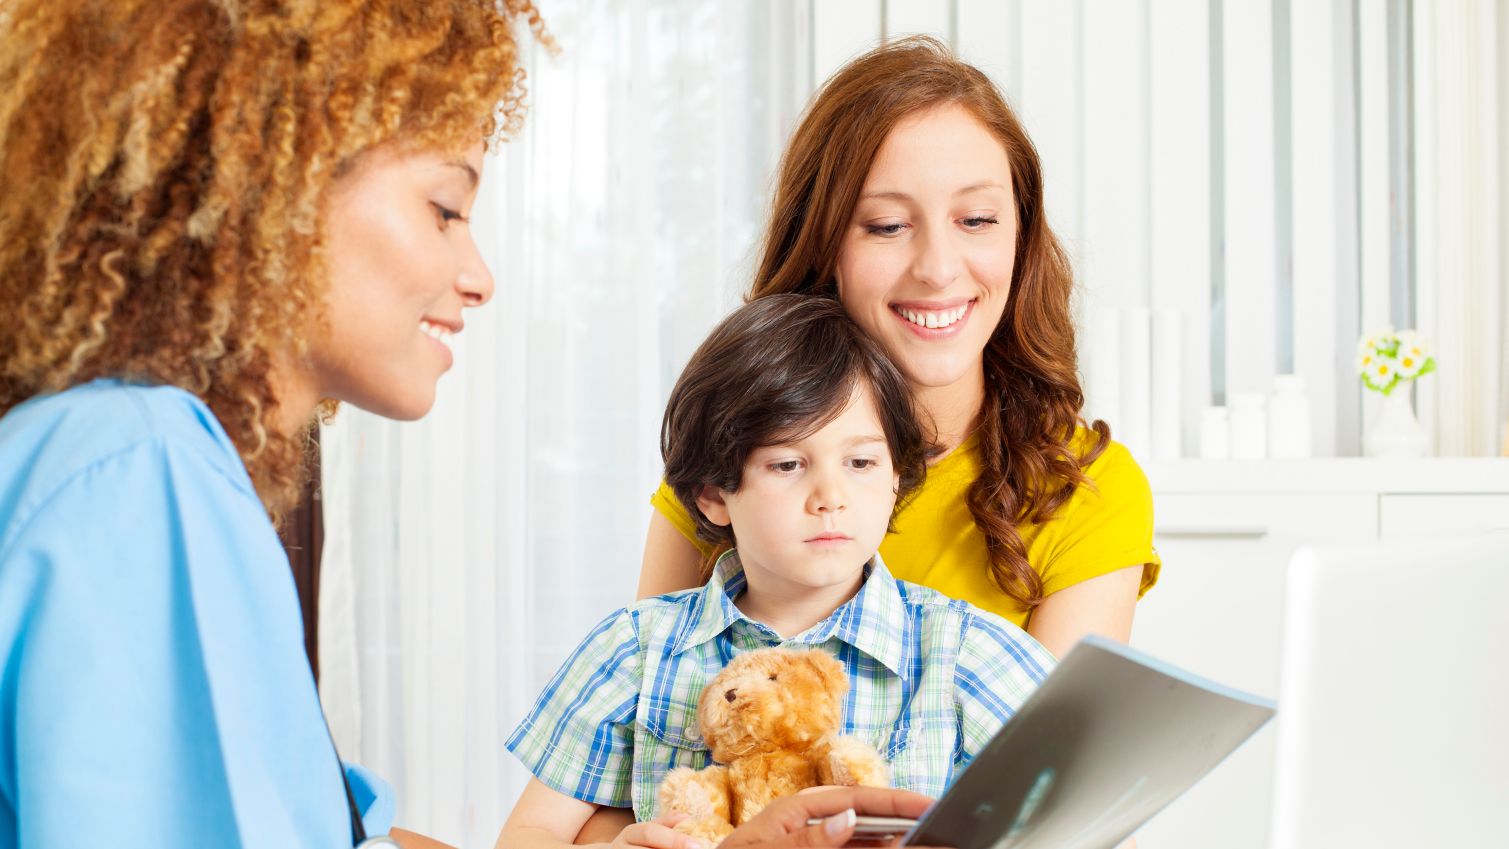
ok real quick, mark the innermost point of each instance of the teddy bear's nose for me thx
(731, 694)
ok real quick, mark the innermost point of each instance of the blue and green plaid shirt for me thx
(931, 681)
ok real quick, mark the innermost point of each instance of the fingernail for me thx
(839, 823)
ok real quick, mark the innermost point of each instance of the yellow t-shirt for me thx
(1100, 529)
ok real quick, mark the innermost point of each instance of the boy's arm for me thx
(578, 742)
(998, 667)
(545, 818)
(604, 825)
(578, 739)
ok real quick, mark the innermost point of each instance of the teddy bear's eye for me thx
(772, 676)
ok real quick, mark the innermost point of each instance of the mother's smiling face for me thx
(926, 261)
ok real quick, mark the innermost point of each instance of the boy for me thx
(791, 436)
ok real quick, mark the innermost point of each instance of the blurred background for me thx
(1246, 187)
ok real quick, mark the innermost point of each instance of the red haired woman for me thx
(911, 194)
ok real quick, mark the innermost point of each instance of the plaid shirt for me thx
(931, 681)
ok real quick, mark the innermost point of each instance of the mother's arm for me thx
(1100, 605)
(671, 562)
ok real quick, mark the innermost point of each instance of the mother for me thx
(218, 216)
(911, 193)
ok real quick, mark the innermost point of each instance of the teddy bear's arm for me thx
(756, 780)
(703, 795)
(850, 762)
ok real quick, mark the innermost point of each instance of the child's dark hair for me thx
(778, 369)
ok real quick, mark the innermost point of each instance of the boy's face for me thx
(809, 514)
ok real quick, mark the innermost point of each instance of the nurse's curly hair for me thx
(167, 164)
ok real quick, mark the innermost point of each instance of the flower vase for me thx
(1396, 432)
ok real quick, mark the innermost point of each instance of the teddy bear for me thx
(771, 721)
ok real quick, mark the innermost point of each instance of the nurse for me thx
(219, 218)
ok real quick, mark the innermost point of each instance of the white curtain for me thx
(466, 554)
(1462, 115)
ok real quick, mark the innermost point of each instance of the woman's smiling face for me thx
(403, 267)
(926, 261)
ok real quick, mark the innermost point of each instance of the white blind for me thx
(1267, 179)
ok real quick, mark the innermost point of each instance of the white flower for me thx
(1385, 358)
(1376, 342)
(1381, 373)
(1416, 349)
(1409, 365)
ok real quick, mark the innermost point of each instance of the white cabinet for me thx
(1225, 532)
(1402, 516)
(1215, 612)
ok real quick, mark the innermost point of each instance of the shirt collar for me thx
(713, 610)
(871, 621)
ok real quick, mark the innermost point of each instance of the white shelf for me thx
(1428, 476)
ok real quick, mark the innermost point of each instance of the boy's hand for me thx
(657, 833)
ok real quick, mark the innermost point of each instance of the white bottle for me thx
(1249, 426)
(1289, 419)
(1215, 434)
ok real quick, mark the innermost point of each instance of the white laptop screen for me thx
(1393, 726)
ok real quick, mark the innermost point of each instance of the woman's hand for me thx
(783, 823)
(409, 840)
(657, 833)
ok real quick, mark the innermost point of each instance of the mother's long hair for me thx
(1032, 395)
(167, 164)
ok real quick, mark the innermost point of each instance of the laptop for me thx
(1394, 697)
(1108, 740)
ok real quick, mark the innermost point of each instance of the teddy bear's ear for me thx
(829, 671)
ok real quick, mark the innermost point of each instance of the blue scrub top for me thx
(154, 689)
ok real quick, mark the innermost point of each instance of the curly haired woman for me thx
(217, 216)
(911, 194)
(220, 216)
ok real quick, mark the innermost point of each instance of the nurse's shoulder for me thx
(51, 441)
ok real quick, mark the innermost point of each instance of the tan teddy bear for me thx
(771, 719)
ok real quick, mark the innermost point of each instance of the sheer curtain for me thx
(467, 553)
